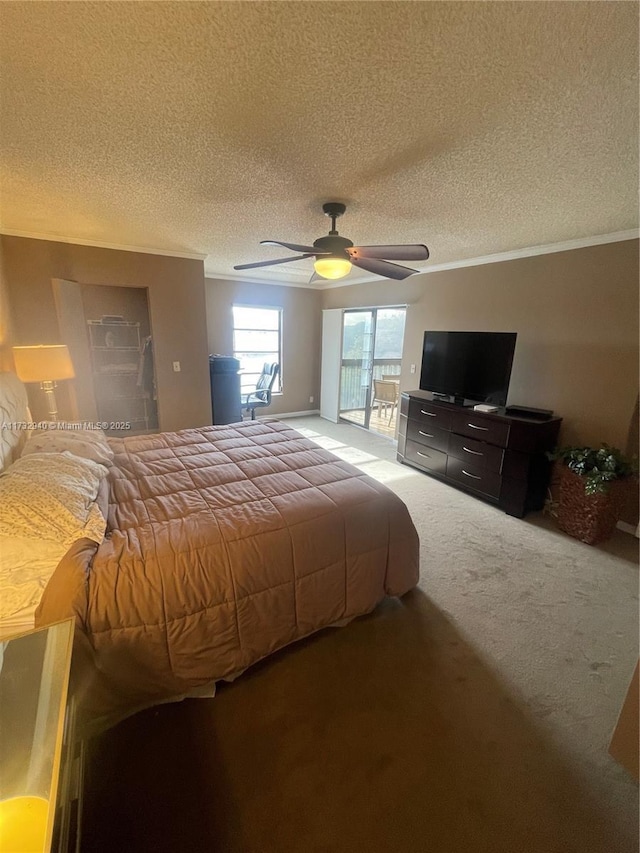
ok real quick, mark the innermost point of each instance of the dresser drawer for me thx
(426, 457)
(474, 477)
(483, 429)
(429, 414)
(430, 436)
(479, 454)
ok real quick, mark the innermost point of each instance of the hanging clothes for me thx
(146, 373)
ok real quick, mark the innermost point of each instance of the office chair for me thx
(261, 397)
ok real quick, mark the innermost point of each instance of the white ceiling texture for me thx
(202, 128)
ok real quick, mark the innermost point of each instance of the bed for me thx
(220, 546)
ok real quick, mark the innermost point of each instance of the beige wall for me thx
(6, 358)
(131, 302)
(176, 304)
(302, 319)
(576, 315)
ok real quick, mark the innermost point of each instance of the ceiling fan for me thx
(334, 255)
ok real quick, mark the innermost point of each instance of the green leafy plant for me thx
(599, 467)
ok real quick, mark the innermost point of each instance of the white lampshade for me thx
(332, 267)
(43, 363)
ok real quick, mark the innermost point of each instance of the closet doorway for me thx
(121, 351)
(108, 332)
(372, 341)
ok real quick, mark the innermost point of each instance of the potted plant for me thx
(592, 484)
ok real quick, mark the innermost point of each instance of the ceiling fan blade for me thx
(409, 252)
(316, 277)
(383, 268)
(295, 247)
(271, 263)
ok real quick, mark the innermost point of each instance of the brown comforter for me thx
(223, 545)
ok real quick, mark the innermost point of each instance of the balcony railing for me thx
(354, 380)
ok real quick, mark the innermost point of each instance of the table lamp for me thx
(44, 364)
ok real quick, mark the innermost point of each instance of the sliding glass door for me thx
(372, 340)
(358, 334)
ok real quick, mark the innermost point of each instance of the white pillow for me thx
(13, 411)
(87, 443)
(52, 496)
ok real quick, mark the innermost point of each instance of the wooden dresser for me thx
(497, 457)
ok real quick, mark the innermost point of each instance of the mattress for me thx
(224, 544)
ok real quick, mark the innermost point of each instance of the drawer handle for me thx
(426, 434)
(425, 455)
(473, 476)
(431, 414)
(475, 452)
(473, 426)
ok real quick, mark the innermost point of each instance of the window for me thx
(257, 338)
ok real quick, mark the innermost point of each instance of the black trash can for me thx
(226, 402)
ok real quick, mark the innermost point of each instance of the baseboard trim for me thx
(629, 528)
(295, 414)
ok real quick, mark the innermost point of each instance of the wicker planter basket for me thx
(590, 518)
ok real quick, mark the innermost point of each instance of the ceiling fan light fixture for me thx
(332, 267)
(335, 255)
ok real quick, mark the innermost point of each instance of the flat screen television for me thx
(474, 366)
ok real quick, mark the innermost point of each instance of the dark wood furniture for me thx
(497, 457)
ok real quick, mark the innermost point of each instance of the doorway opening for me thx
(372, 340)
(108, 331)
(121, 357)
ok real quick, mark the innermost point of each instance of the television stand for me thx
(497, 457)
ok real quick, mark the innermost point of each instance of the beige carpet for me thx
(473, 715)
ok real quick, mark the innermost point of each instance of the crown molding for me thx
(98, 244)
(516, 254)
(498, 257)
(546, 249)
(243, 279)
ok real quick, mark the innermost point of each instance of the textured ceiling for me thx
(206, 127)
